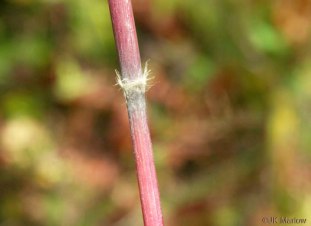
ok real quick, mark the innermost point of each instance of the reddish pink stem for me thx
(125, 36)
(128, 50)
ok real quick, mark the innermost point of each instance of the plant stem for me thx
(133, 82)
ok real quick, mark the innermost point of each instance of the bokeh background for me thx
(229, 111)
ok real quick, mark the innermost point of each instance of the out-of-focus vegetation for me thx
(230, 112)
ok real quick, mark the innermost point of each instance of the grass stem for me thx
(132, 80)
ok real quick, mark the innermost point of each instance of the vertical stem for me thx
(133, 82)
(125, 36)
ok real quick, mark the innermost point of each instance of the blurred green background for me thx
(229, 110)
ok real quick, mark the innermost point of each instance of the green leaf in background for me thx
(200, 71)
(266, 38)
(22, 103)
(71, 83)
